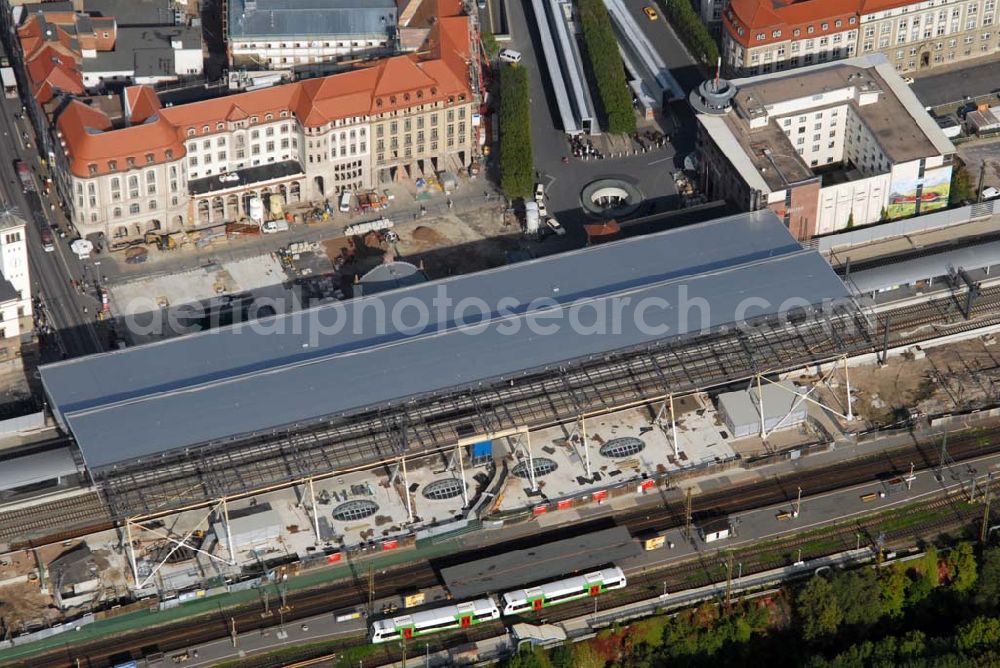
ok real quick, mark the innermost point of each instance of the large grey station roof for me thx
(298, 368)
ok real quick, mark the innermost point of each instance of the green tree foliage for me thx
(691, 30)
(527, 659)
(516, 162)
(962, 567)
(853, 591)
(818, 610)
(490, 44)
(977, 634)
(987, 589)
(892, 591)
(962, 189)
(562, 657)
(606, 66)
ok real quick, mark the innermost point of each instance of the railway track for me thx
(703, 571)
(422, 575)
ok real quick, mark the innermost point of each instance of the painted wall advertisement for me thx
(903, 195)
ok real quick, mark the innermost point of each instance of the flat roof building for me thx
(825, 147)
(281, 34)
(774, 406)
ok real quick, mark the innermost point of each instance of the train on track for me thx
(481, 610)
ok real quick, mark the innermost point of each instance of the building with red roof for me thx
(761, 36)
(198, 165)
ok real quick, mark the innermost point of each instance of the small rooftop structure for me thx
(782, 408)
(249, 527)
(550, 561)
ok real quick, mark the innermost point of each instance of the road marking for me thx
(656, 162)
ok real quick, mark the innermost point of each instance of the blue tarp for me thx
(482, 450)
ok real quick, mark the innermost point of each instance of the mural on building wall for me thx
(903, 194)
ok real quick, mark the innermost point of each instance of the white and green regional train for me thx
(478, 611)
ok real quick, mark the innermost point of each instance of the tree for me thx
(516, 162)
(987, 587)
(818, 610)
(856, 593)
(490, 44)
(892, 591)
(562, 657)
(850, 221)
(691, 30)
(526, 658)
(961, 186)
(978, 633)
(606, 67)
(962, 567)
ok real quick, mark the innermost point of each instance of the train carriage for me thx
(563, 591)
(461, 615)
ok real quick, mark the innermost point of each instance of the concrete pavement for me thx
(952, 84)
(50, 272)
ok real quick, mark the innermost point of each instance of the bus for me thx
(435, 620)
(563, 591)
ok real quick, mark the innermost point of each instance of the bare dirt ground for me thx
(956, 377)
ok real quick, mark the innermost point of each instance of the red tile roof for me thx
(764, 17)
(392, 83)
(141, 103)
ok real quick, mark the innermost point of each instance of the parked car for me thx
(510, 56)
(651, 13)
(990, 193)
(539, 192)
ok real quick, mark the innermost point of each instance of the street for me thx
(51, 273)
(649, 172)
(951, 87)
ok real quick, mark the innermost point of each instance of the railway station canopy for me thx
(550, 561)
(486, 329)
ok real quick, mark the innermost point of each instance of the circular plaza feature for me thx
(610, 198)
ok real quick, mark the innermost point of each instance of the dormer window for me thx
(220, 125)
(130, 161)
(392, 99)
(420, 94)
(150, 159)
(92, 169)
(284, 113)
(112, 165)
(169, 153)
(253, 119)
(378, 102)
(191, 132)
(268, 117)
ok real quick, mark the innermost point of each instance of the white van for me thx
(345, 202)
(510, 56)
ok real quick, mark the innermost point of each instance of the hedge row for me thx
(691, 30)
(606, 66)
(516, 163)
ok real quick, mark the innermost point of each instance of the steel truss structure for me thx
(539, 398)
